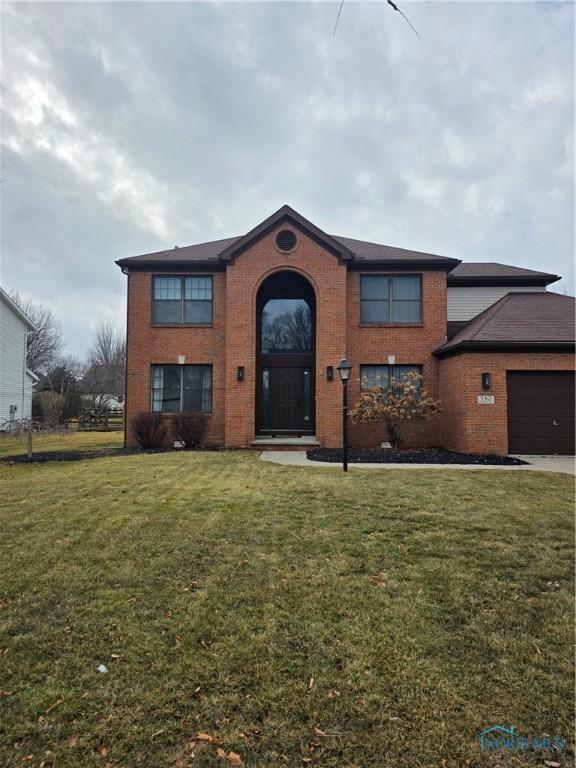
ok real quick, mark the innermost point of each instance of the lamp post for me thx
(344, 369)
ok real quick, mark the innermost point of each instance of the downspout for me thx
(24, 374)
(127, 273)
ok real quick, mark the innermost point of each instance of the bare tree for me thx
(104, 372)
(58, 398)
(44, 343)
(108, 355)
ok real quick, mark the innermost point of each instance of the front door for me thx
(286, 400)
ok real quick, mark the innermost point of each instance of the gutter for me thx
(505, 346)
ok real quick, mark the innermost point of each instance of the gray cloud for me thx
(130, 127)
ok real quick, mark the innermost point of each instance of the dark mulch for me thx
(45, 456)
(423, 456)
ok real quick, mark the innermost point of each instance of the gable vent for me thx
(286, 240)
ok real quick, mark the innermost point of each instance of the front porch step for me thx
(285, 443)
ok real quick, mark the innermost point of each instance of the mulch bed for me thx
(424, 456)
(46, 456)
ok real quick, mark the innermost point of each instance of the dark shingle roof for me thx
(346, 248)
(482, 271)
(364, 250)
(206, 252)
(530, 319)
(358, 252)
(201, 252)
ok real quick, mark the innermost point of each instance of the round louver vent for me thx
(286, 240)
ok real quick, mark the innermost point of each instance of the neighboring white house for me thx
(16, 381)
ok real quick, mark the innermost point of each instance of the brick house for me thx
(250, 330)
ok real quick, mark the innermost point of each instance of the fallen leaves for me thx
(206, 737)
(379, 580)
(4, 694)
(53, 706)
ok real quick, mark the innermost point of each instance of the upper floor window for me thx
(384, 375)
(182, 388)
(390, 299)
(286, 326)
(182, 300)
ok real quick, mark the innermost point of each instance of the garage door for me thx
(540, 412)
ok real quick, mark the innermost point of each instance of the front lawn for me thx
(291, 617)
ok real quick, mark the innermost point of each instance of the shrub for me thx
(51, 405)
(404, 400)
(149, 429)
(189, 427)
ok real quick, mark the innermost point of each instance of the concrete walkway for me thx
(564, 464)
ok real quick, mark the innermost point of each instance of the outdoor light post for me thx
(344, 369)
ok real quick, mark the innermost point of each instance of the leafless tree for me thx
(291, 330)
(107, 359)
(44, 343)
(104, 372)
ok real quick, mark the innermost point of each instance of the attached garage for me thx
(541, 412)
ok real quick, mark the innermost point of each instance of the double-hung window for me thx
(392, 299)
(182, 300)
(182, 388)
(384, 375)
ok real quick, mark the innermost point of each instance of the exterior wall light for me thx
(329, 373)
(485, 381)
(240, 373)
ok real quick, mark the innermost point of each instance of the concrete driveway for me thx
(563, 464)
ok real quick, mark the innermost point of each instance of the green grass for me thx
(399, 613)
(67, 441)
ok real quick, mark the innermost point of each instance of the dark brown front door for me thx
(540, 412)
(286, 400)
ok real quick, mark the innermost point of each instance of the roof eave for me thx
(504, 281)
(127, 265)
(17, 311)
(504, 346)
(443, 264)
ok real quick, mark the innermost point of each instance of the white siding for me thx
(14, 382)
(465, 302)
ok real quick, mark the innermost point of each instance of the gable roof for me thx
(349, 250)
(518, 320)
(494, 273)
(286, 214)
(16, 309)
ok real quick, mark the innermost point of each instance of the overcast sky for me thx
(129, 128)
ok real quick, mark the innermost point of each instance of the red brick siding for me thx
(243, 279)
(371, 345)
(473, 428)
(149, 345)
